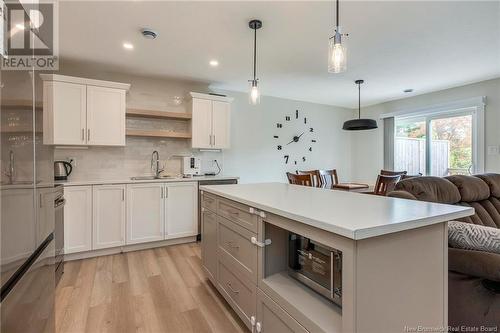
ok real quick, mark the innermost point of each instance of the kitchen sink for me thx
(144, 178)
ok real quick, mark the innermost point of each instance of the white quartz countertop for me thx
(353, 215)
(136, 181)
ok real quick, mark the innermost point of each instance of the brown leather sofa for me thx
(474, 276)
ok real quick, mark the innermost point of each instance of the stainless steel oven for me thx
(59, 203)
(317, 266)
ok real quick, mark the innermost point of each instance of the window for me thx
(439, 141)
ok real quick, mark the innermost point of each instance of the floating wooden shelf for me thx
(157, 114)
(158, 134)
(23, 105)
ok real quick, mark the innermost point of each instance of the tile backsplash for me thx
(134, 159)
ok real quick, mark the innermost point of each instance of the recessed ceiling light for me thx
(128, 46)
(214, 63)
(408, 90)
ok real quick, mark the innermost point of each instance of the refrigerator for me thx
(27, 249)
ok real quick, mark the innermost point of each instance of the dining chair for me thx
(315, 177)
(328, 177)
(392, 173)
(385, 184)
(405, 176)
(304, 180)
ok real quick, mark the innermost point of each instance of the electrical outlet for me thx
(493, 150)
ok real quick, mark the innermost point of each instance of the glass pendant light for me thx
(254, 93)
(359, 124)
(337, 51)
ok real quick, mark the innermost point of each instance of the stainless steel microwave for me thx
(316, 265)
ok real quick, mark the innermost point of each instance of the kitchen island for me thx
(388, 268)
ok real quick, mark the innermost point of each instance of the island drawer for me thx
(235, 245)
(209, 201)
(238, 213)
(239, 292)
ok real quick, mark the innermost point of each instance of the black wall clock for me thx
(295, 138)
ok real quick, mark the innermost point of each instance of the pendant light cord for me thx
(254, 53)
(359, 100)
(337, 14)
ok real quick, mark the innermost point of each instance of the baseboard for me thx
(128, 248)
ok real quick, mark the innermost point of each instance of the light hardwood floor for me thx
(155, 290)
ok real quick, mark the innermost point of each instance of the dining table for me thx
(351, 187)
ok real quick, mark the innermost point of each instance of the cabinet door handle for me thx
(166, 192)
(214, 139)
(123, 194)
(83, 134)
(88, 134)
(161, 195)
(231, 288)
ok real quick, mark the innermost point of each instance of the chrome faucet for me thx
(155, 164)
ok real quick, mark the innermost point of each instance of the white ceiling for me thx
(393, 45)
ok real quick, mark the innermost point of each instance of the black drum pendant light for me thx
(359, 124)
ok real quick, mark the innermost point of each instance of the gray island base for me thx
(393, 257)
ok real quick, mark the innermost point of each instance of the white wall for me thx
(253, 155)
(367, 147)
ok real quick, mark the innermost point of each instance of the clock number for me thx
(303, 158)
(311, 129)
(296, 114)
(305, 120)
(310, 148)
(287, 118)
(275, 136)
(279, 125)
(286, 157)
(314, 141)
(279, 147)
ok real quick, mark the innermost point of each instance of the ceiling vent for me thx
(149, 33)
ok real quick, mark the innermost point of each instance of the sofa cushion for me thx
(469, 236)
(433, 189)
(471, 188)
(474, 263)
(493, 181)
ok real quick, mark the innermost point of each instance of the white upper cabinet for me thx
(211, 121)
(221, 124)
(105, 116)
(201, 123)
(81, 111)
(181, 209)
(65, 113)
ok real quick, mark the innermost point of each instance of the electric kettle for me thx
(62, 170)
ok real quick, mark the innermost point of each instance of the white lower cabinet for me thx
(78, 219)
(145, 212)
(181, 209)
(109, 216)
(106, 216)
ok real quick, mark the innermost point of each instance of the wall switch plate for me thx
(493, 150)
